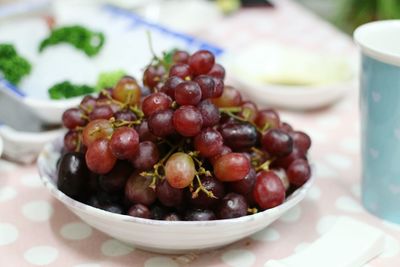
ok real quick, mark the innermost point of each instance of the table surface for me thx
(36, 229)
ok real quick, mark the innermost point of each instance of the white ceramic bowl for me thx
(162, 236)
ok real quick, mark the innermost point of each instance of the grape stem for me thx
(202, 188)
(252, 210)
(264, 166)
(231, 110)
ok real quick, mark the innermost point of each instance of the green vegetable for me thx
(12, 66)
(80, 37)
(67, 90)
(109, 79)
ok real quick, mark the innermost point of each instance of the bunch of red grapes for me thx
(181, 147)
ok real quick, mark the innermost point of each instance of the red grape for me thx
(156, 102)
(209, 112)
(229, 98)
(101, 112)
(127, 90)
(284, 162)
(277, 143)
(245, 185)
(169, 196)
(99, 157)
(201, 62)
(218, 88)
(71, 140)
(231, 167)
(268, 190)
(179, 170)
(217, 71)
(188, 93)
(88, 103)
(95, 130)
(208, 142)
(187, 120)
(267, 118)
(144, 132)
(73, 118)
(301, 140)
(206, 84)
(224, 150)
(299, 172)
(180, 56)
(153, 75)
(146, 156)
(180, 70)
(125, 115)
(286, 127)
(170, 85)
(160, 123)
(249, 111)
(124, 143)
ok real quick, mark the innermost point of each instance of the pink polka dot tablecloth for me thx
(37, 230)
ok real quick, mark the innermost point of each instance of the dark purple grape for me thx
(217, 71)
(187, 121)
(140, 211)
(188, 93)
(212, 185)
(232, 205)
(160, 123)
(168, 195)
(209, 112)
(206, 84)
(73, 118)
(244, 186)
(101, 112)
(72, 175)
(201, 62)
(146, 156)
(114, 208)
(172, 217)
(153, 75)
(277, 143)
(284, 162)
(72, 139)
(208, 142)
(144, 132)
(87, 104)
(115, 180)
(158, 212)
(170, 85)
(125, 115)
(239, 136)
(199, 215)
(137, 190)
(180, 70)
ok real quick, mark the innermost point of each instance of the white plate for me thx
(326, 77)
(172, 237)
(126, 48)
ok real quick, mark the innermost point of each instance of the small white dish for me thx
(171, 237)
(284, 76)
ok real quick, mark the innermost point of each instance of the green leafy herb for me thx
(66, 89)
(12, 66)
(109, 79)
(78, 36)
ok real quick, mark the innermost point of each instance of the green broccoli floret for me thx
(78, 36)
(109, 79)
(66, 89)
(12, 66)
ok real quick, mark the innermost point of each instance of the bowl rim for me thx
(43, 159)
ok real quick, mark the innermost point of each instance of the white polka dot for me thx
(348, 204)
(351, 145)
(323, 171)
(392, 247)
(325, 223)
(88, 265)
(339, 161)
(239, 258)
(31, 180)
(41, 255)
(37, 211)
(76, 231)
(268, 234)
(329, 121)
(392, 226)
(114, 248)
(8, 233)
(301, 247)
(6, 166)
(293, 215)
(356, 190)
(314, 193)
(7, 193)
(160, 261)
